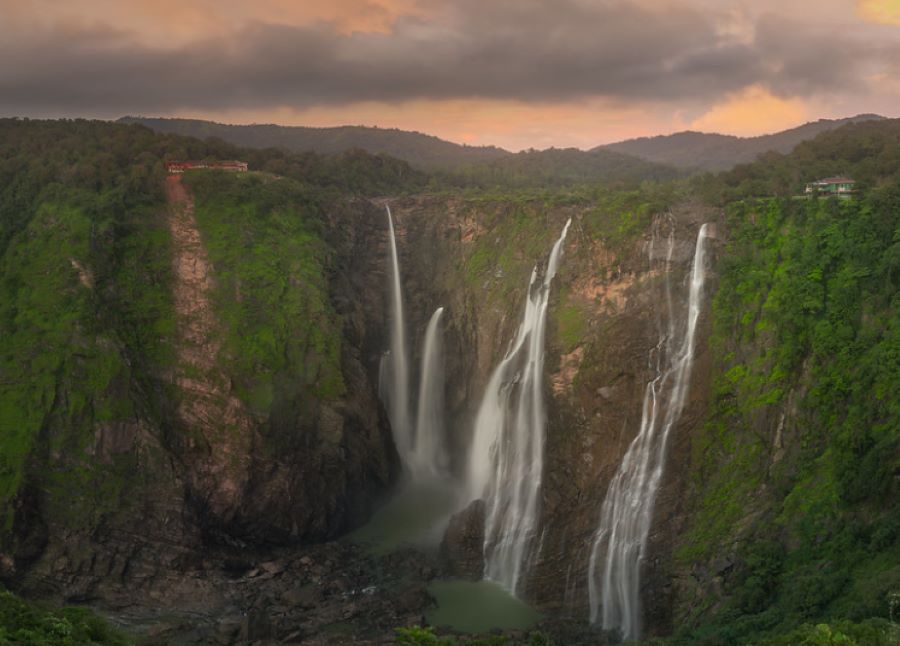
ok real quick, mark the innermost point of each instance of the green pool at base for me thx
(477, 607)
(416, 515)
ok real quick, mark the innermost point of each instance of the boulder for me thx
(462, 548)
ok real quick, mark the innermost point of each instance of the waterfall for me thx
(626, 513)
(428, 456)
(421, 447)
(393, 379)
(506, 460)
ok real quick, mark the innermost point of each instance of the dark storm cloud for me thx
(510, 49)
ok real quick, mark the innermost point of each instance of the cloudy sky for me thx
(515, 73)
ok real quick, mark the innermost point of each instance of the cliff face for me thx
(474, 258)
(247, 416)
(774, 500)
(212, 385)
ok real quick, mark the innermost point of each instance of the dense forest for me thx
(713, 152)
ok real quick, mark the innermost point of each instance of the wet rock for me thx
(462, 549)
(305, 597)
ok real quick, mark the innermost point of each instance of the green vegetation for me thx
(555, 168)
(425, 636)
(271, 294)
(75, 301)
(423, 151)
(804, 429)
(28, 624)
(517, 235)
(619, 217)
(793, 479)
(451, 165)
(700, 150)
(868, 152)
(571, 325)
(86, 311)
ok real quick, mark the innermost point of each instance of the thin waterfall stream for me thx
(421, 444)
(429, 454)
(394, 373)
(620, 541)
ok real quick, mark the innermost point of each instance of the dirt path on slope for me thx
(216, 426)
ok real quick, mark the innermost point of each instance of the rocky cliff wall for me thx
(195, 406)
(474, 258)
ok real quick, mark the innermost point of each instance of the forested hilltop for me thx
(450, 164)
(803, 426)
(189, 370)
(715, 152)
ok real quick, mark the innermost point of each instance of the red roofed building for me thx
(230, 164)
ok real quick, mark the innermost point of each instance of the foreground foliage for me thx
(425, 636)
(28, 624)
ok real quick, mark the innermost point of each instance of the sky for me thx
(514, 73)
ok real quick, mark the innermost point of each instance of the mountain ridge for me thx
(420, 149)
(694, 150)
(688, 150)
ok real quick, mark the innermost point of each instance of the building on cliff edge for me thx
(840, 186)
(230, 164)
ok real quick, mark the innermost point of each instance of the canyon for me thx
(594, 401)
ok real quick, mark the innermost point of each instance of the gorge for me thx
(661, 410)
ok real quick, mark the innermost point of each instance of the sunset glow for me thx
(517, 75)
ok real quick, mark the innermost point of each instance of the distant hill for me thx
(420, 150)
(703, 151)
(867, 151)
(470, 165)
(565, 166)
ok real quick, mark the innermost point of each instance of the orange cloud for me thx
(882, 11)
(170, 23)
(753, 111)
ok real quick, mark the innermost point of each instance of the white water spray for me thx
(506, 461)
(626, 514)
(429, 456)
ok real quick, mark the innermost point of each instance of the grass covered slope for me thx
(263, 236)
(92, 385)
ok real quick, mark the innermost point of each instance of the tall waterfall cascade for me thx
(419, 442)
(506, 459)
(394, 370)
(621, 538)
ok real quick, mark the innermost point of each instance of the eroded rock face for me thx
(195, 468)
(310, 473)
(595, 379)
(314, 469)
(217, 429)
(462, 548)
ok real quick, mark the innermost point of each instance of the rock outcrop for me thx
(462, 547)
